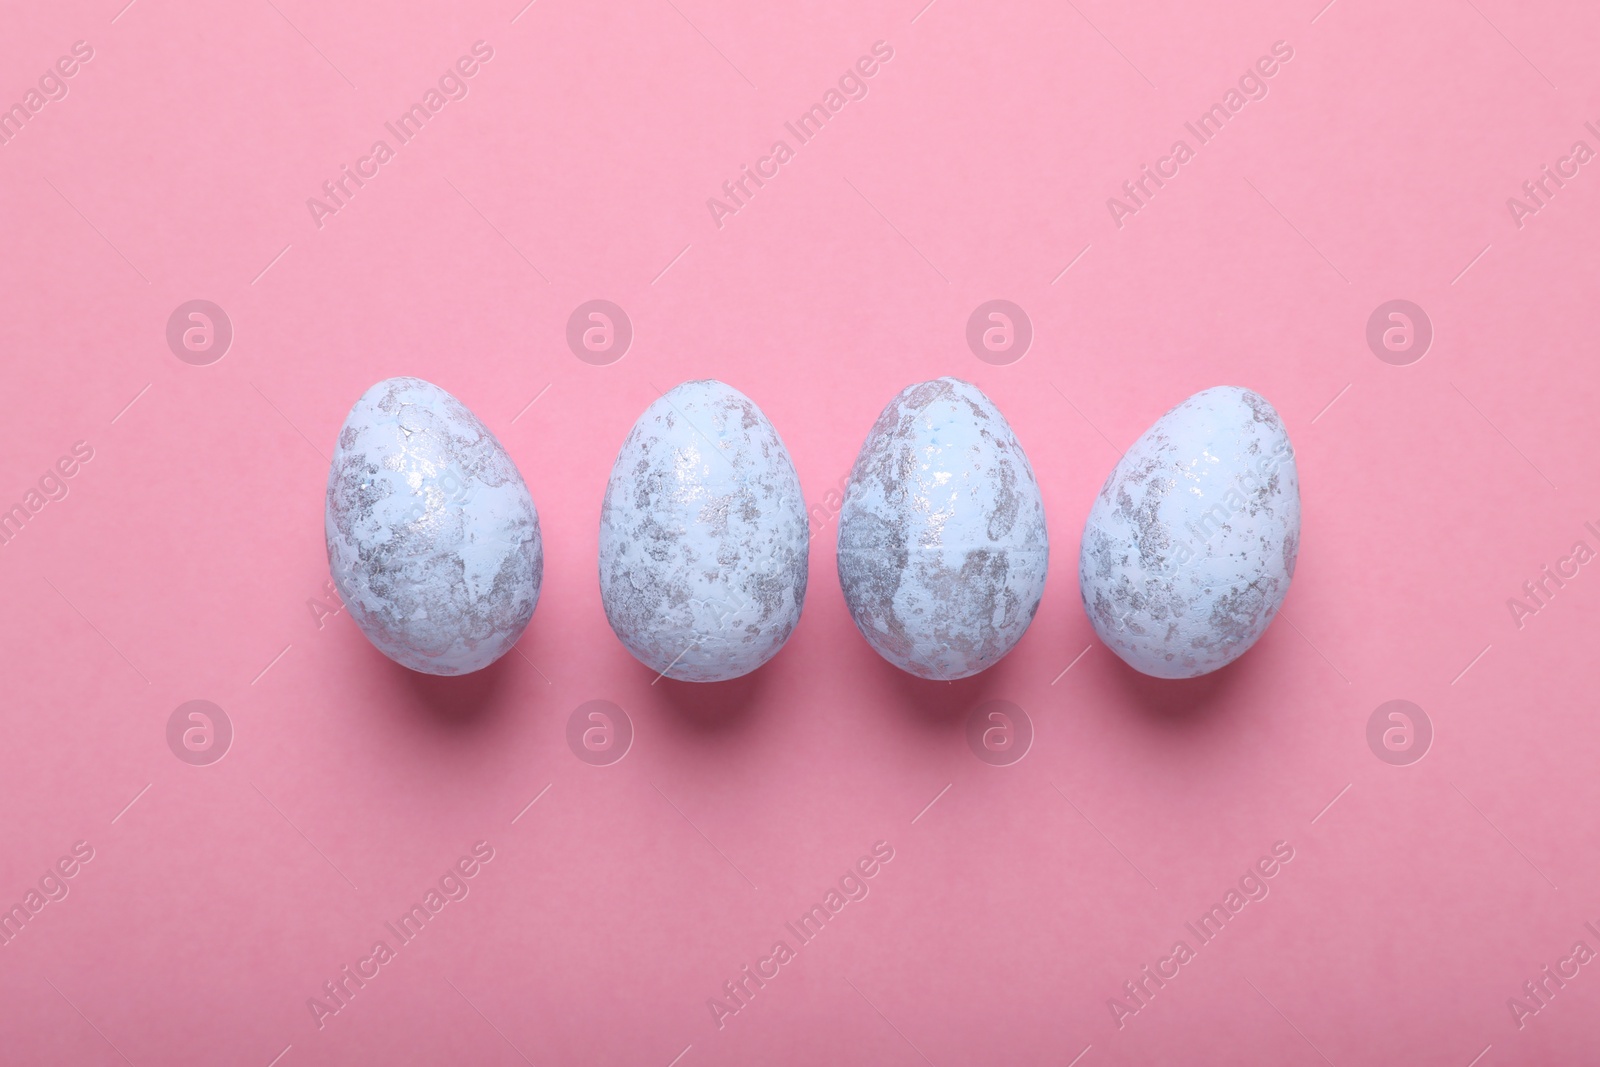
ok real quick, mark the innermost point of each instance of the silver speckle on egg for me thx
(703, 537)
(1190, 546)
(433, 540)
(942, 546)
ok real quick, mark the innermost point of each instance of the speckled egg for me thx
(942, 540)
(703, 537)
(433, 539)
(1189, 548)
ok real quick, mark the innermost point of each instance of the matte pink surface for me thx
(187, 559)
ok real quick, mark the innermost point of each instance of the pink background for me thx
(181, 564)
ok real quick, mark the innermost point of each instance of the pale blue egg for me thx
(942, 541)
(1190, 546)
(703, 537)
(433, 540)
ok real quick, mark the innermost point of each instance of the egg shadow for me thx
(1181, 702)
(939, 705)
(455, 703)
(714, 707)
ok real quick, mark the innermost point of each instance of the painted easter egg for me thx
(433, 540)
(942, 540)
(1189, 548)
(703, 537)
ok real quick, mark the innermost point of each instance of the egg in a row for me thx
(434, 543)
